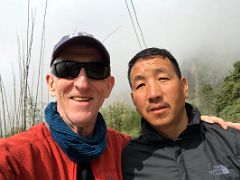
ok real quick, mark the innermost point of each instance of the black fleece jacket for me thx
(202, 152)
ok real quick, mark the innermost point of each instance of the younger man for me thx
(175, 144)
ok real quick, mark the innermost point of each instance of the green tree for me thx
(207, 105)
(34, 112)
(122, 117)
(231, 112)
(227, 97)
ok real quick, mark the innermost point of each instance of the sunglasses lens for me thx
(97, 70)
(70, 70)
(66, 69)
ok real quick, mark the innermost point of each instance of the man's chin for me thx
(82, 116)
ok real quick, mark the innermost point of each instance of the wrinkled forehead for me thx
(151, 66)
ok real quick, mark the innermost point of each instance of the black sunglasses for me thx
(71, 69)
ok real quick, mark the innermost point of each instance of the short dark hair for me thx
(149, 53)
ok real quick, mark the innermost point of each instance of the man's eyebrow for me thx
(138, 78)
(156, 71)
(160, 70)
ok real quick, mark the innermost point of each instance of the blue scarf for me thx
(78, 148)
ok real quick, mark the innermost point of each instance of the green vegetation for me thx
(223, 100)
(122, 117)
(228, 96)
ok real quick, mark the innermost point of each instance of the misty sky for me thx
(188, 28)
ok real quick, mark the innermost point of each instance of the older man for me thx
(74, 143)
(174, 143)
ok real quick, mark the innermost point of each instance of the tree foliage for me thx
(228, 95)
(122, 117)
(207, 99)
(223, 100)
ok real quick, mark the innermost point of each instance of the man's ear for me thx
(133, 99)
(110, 85)
(185, 88)
(51, 84)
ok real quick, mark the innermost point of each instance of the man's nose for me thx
(82, 81)
(154, 92)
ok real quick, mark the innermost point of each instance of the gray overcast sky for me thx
(185, 27)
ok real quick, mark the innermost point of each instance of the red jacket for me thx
(34, 155)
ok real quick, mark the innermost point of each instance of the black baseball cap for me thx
(80, 38)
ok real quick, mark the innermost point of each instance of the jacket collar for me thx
(150, 134)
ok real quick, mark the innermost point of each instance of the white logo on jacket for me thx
(219, 170)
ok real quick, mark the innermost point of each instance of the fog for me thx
(206, 30)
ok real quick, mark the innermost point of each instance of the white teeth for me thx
(81, 98)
